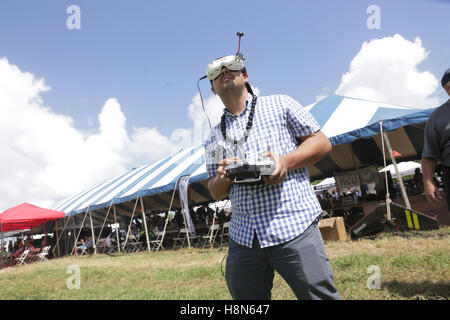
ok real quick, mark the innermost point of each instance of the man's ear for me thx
(213, 90)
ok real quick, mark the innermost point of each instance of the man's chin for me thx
(231, 87)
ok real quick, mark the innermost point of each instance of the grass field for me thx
(413, 267)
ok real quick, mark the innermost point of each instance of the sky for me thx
(90, 89)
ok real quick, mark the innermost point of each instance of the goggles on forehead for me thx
(232, 63)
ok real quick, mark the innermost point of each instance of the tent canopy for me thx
(362, 145)
(26, 216)
(326, 182)
(405, 168)
(154, 181)
(352, 126)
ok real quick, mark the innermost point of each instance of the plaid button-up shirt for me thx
(278, 213)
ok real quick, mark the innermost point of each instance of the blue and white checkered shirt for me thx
(278, 213)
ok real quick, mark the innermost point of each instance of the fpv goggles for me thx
(232, 63)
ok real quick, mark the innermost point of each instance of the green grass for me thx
(416, 267)
(404, 276)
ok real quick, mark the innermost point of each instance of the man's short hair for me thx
(446, 77)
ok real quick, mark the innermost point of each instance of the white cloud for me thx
(148, 145)
(44, 158)
(213, 108)
(386, 70)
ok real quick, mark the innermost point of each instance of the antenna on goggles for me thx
(238, 53)
(239, 34)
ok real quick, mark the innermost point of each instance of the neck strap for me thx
(223, 128)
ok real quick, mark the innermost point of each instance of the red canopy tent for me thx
(26, 216)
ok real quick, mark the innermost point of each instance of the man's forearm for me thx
(428, 168)
(219, 188)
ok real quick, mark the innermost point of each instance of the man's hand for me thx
(221, 173)
(219, 185)
(432, 193)
(280, 169)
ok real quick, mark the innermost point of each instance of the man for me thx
(437, 148)
(274, 224)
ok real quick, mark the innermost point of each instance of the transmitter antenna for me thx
(239, 34)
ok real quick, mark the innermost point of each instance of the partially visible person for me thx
(44, 240)
(80, 247)
(436, 148)
(19, 249)
(90, 245)
(11, 247)
(398, 188)
(418, 180)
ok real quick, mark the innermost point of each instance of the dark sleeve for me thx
(431, 143)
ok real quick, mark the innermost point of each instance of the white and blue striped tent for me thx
(351, 124)
(153, 182)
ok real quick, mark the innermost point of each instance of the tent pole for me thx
(145, 224)
(117, 229)
(388, 199)
(170, 207)
(81, 228)
(399, 177)
(92, 231)
(212, 226)
(56, 228)
(57, 238)
(45, 232)
(1, 251)
(106, 217)
(129, 226)
(74, 230)
(164, 230)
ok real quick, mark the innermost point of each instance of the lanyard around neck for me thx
(223, 128)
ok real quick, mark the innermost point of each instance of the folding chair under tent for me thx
(355, 143)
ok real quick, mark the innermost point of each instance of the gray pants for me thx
(302, 262)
